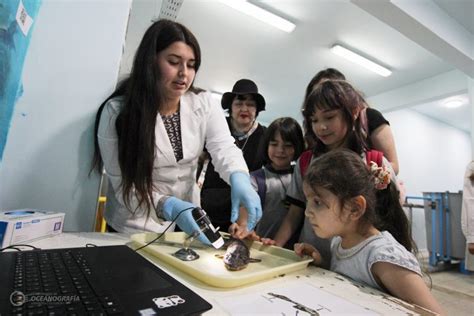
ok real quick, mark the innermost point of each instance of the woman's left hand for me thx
(242, 193)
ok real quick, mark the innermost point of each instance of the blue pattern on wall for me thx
(13, 47)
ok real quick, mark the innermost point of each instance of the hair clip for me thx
(381, 176)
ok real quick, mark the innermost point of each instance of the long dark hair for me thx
(332, 170)
(325, 74)
(290, 131)
(336, 95)
(142, 100)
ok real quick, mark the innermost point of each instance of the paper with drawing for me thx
(293, 299)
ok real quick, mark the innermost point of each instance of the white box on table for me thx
(20, 226)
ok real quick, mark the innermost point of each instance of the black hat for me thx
(241, 87)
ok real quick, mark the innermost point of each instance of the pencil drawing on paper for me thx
(298, 306)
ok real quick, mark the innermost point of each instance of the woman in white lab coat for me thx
(151, 131)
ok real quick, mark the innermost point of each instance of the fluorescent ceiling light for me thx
(260, 14)
(362, 61)
(453, 103)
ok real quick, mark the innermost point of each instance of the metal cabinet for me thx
(444, 236)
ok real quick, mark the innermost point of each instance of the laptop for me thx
(106, 280)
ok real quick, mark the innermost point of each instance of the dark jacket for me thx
(215, 193)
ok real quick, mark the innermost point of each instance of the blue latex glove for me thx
(243, 193)
(173, 206)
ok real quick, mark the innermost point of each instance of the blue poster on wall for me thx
(17, 18)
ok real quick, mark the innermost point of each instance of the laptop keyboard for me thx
(59, 282)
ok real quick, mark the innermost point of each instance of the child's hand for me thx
(268, 241)
(302, 249)
(235, 230)
(253, 236)
(240, 231)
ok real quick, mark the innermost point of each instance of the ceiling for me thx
(460, 10)
(456, 117)
(428, 44)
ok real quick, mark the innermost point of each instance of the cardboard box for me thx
(21, 226)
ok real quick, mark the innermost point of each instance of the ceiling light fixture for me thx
(260, 14)
(453, 103)
(362, 61)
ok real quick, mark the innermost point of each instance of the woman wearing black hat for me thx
(151, 131)
(243, 103)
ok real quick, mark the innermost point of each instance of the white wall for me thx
(142, 13)
(432, 157)
(71, 66)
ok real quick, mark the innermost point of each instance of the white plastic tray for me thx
(211, 270)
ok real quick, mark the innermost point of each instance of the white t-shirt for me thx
(356, 262)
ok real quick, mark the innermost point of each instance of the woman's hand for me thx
(302, 249)
(180, 211)
(242, 194)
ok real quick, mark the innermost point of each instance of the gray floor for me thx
(454, 290)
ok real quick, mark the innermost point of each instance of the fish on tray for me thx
(237, 255)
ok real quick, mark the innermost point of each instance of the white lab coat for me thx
(467, 214)
(202, 121)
